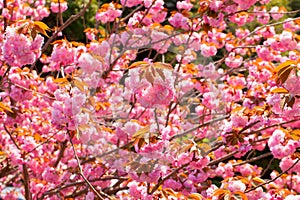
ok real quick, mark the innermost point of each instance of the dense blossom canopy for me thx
(198, 101)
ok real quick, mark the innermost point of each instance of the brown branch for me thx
(199, 126)
(254, 159)
(267, 25)
(98, 193)
(214, 162)
(274, 179)
(5, 20)
(272, 126)
(7, 170)
(11, 137)
(65, 25)
(63, 146)
(60, 13)
(161, 181)
(40, 144)
(25, 173)
(25, 169)
(268, 167)
(62, 187)
(76, 194)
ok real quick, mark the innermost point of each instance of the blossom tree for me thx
(195, 101)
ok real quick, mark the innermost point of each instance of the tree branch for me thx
(274, 179)
(100, 193)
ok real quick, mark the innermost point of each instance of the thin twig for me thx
(274, 179)
(254, 159)
(268, 167)
(267, 25)
(98, 193)
(214, 162)
(199, 126)
(161, 181)
(11, 137)
(65, 25)
(63, 146)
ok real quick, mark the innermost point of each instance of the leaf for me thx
(5, 108)
(97, 57)
(61, 80)
(283, 71)
(280, 91)
(161, 65)
(291, 102)
(161, 74)
(169, 191)
(240, 194)
(80, 85)
(140, 133)
(41, 27)
(149, 77)
(3, 156)
(297, 21)
(287, 101)
(141, 142)
(153, 71)
(218, 192)
(257, 181)
(295, 134)
(138, 64)
(195, 196)
(284, 65)
(283, 75)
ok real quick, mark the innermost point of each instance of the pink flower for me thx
(56, 7)
(171, 183)
(50, 175)
(19, 50)
(279, 146)
(208, 51)
(108, 13)
(179, 21)
(265, 53)
(238, 185)
(63, 54)
(131, 3)
(89, 64)
(151, 93)
(287, 162)
(161, 43)
(244, 5)
(274, 10)
(233, 61)
(154, 95)
(90, 196)
(292, 84)
(184, 5)
(215, 5)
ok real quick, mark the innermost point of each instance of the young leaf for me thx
(280, 91)
(41, 27)
(138, 64)
(295, 134)
(149, 77)
(3, 156)
(140, 133)
(283, 74)
(195, 196)
(283, 71)
(5, 108)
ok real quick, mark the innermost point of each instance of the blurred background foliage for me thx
(75, 31)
